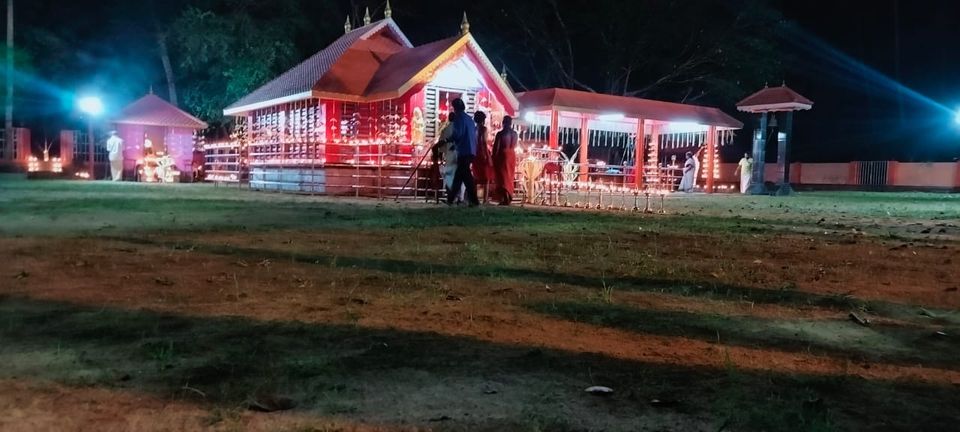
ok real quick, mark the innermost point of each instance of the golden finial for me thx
(388, 12)
(464, 24)
(366, 17)
(346, 25)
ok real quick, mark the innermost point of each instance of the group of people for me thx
(691, 169)
(157, 166)
(468, 160)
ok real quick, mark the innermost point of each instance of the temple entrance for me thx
(438, 107)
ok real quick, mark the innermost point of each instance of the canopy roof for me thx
(371, 63)
(603, 104)
(771, 99)
(150, 110)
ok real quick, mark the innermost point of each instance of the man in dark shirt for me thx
(465, 137)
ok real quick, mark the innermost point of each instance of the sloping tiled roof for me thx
(302, 78)
(150, 110)
(598, 103)
(371, 63)
(353, 71)
(402, 67)
(781, 98)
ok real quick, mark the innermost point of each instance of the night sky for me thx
(838, 53)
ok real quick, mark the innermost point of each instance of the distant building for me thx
(170, 130)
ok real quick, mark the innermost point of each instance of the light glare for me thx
(610, 117)
(686, 127)
(91, 105)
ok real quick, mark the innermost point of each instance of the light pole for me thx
(92, 106)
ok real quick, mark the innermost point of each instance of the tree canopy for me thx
(678, 50)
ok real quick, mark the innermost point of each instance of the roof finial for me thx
(766, 84)
(151, 88)
(388, 12)
(464, 24)
(503, 72)
(784, 83)
(346, 25)
(366, 17)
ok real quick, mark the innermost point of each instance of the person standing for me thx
(465, 138)
(690, 168)
(482, 165)
(505, 162)
(745, 169)
(446, 151)
(115, 150)
(147, 145)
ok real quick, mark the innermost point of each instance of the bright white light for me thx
(957, 118)
(530, 117)
(610, 117)
(91, 105)
(460, 74)
(686, 127)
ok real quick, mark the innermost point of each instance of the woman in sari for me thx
(690, 168)
(505, 162)
(482, 166)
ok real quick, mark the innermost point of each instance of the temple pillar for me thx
(639, 149)
(584, 149)
(757, 186)
(653, 161)
(554, 138)
(783, 157)
(67, 146)
(711, 158)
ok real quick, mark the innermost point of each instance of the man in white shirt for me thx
(115, 150)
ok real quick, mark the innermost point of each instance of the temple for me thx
(359, 116)
(158, 140)
(370, 99)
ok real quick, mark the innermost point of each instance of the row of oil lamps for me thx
(553, 192)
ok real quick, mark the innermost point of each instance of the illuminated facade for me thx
(371, 100)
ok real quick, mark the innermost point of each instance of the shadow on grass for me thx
(388, 375)
(686, 288)
(879, 343)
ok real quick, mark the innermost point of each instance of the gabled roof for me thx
(404, 70)
(298, 83)
(404, 66)
(150, 110)
(369, 64)
(769, 99)
(598, 103)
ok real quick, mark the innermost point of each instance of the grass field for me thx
(190, 307)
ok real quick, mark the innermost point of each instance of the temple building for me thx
(370, 99)
(359, 116)
(158, 140)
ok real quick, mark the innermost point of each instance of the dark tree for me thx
(679, 50)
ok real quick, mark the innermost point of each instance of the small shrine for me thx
(773, 103)
(158, 140)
